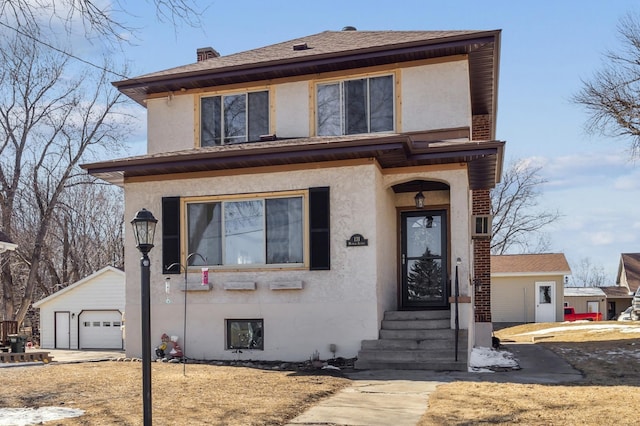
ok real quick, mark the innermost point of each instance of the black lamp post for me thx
(457, 293)
(144, 229)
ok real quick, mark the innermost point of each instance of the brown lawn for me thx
(110, 393)
(609, 394)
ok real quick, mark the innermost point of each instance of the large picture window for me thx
(246, 232)
(355, 106)
(234, 118)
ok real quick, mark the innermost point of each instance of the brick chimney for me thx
(205, 53)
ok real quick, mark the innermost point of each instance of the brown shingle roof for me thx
(616, 291)
(327, 43)
(630, 263)
(530, 264)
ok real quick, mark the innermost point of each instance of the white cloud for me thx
(601, 238)
(630, 182)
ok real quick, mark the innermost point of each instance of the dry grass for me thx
(110, 393)
(609, 394)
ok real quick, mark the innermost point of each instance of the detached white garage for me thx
(85, 315)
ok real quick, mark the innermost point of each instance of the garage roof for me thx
(530, 264)
(77, 284)
(583, 291)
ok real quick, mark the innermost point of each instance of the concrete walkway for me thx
(400, 397)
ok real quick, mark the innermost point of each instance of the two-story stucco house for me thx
(331, 186)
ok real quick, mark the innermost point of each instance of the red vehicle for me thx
(571, 315)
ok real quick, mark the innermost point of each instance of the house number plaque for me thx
(357, 240)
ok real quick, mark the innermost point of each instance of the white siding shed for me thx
(87, 314)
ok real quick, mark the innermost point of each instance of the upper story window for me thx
(234, 118)
(350, 107)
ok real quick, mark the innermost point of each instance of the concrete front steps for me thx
(415, 340)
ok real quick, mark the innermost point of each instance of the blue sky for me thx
(547, 48)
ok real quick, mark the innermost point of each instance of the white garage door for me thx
(100, 330)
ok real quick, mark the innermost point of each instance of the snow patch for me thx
(589, 325)
(35, 416)
(486, 360)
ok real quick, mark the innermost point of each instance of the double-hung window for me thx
(234, 118)
(364, 105)
(257, 231)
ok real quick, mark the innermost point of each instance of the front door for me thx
(424, 260)
(546, 301)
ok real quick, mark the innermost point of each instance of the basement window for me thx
(245, 334)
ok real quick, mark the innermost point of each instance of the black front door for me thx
(424, 260)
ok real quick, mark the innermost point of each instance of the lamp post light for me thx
(419, 199)
(144, 229)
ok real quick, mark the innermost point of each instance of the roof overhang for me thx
(483, 159)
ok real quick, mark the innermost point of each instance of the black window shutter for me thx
(319, 242)
(170, 234)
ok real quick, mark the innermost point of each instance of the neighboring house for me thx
(528, 287)
(5, 243)
(629, 271)
(586, 299)
(293, 173)
(619, 297)
(88, 314)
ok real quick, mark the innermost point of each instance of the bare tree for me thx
(96, 19)
(517, 219)
(588, 274)
(87, 234)
(52, 117)
(612, 96)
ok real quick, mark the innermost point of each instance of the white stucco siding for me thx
(337, 306)
(387, 247)
(104, 292)
(292, 109)
(436, 96)
(170, 124)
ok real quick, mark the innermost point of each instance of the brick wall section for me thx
(481, 204)
(481, 127)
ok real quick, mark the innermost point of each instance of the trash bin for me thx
(17, 343)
